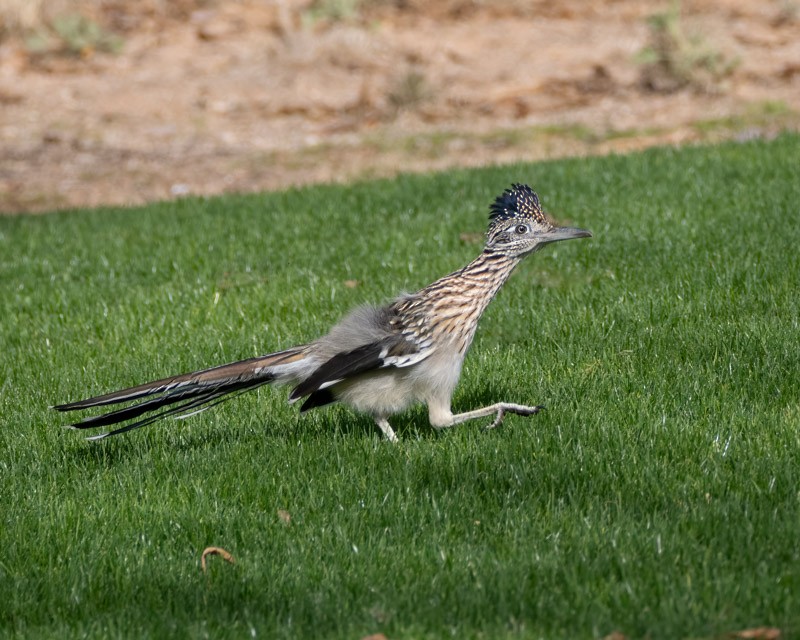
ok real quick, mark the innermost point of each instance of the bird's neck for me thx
(455, 303)
(482, 278)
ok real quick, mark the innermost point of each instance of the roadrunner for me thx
(377, 360)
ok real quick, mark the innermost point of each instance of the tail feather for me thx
(251, 367)
(184, 410)
(186, 393)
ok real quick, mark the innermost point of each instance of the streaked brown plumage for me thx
(378, 360)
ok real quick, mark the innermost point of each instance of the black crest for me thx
(520, 201)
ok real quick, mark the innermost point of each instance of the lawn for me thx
(658, 496)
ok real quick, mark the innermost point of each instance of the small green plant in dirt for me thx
(331, 11)
(341, 10)
(73, 34)
(409, 91)
(673, 60)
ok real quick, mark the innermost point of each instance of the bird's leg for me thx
(383, 423)
(499, 409)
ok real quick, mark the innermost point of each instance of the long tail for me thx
(189, 393)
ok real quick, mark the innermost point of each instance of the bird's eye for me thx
(521, 228)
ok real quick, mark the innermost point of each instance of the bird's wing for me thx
(391, 352)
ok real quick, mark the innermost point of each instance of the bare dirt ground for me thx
(206, 97)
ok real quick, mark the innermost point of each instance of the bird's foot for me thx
(517, 409)
(497, 421)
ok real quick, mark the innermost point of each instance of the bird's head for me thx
(518, 226)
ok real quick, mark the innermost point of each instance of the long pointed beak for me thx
(564, 233)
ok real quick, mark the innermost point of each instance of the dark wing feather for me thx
(318, 399)
(390, 353)
(341, 366)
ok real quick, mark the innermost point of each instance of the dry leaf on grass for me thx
(758, 633)
(351, 284)
(215, 551)
(615, 635)
(285, 516)
(375, 636)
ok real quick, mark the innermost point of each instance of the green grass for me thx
(659, 494)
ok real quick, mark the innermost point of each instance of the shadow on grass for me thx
(169, 438)
(222, 431)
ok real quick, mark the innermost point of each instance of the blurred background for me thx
(119, 102)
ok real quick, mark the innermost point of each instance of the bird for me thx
(378, 360)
